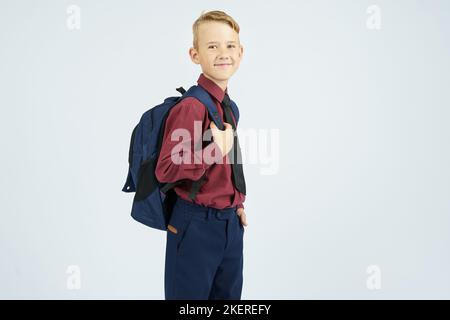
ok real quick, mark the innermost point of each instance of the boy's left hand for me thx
(241, 214)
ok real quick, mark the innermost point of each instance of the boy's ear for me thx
(194, 55)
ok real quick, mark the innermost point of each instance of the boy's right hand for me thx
(223, 138)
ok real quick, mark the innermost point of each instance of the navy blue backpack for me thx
(153, 201)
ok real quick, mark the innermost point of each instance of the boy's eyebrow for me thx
(231, 41)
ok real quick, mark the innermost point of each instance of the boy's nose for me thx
(223, 55)
(224, 61)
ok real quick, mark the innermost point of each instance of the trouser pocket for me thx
(178, 226)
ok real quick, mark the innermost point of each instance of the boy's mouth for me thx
(223, 65)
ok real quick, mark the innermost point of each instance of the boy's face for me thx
(219, 51)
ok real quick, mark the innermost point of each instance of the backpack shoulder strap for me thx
(203, 96)
(235, 110)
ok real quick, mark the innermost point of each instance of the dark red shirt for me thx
(218, 190)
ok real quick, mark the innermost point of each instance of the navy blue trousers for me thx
(204, 253)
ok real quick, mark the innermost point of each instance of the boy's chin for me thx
(221, 75)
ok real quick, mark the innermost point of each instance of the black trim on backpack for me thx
(169, 202)
(195, 188)
(147, 181)
(181, 90)
(130, 152)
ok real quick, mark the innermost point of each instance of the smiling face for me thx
(219, 51)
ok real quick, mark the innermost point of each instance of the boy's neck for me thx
(222, 84)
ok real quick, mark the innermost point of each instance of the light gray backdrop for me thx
(358, 208)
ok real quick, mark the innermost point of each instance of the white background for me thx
(363, 155)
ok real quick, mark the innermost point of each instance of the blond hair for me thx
(216, 15)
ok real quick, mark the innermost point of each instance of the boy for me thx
(204, 249)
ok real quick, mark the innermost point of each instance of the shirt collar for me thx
(212, 88)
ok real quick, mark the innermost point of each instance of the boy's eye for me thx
(211, 46)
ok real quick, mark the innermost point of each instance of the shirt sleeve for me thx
(179, 141)
(240, 206)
